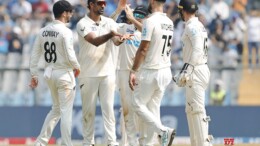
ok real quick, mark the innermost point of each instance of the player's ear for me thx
(91, 4)
(64, 14)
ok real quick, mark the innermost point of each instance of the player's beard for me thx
(68, 19)
(150, 8)
(100, 11)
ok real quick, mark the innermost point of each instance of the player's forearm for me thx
(101, 39)
(34, 59)
(115, 14)
(34, 65)
(137, 24)
(140, 54)
(73, 61)
(139, 59)
(117, 41)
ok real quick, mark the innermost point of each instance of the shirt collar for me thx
(158, 13)
(93, 22)
(58, 22)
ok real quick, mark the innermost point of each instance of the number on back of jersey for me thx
(205, 47)
(50, 52)
(167, 43)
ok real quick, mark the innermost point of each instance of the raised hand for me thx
(121, 4)
(129, 12)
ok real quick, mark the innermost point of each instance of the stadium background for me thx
(22, 110)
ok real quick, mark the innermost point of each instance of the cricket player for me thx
(150, 82)
(195, 73)
(55, 43)
(127, 50)
(97, 79)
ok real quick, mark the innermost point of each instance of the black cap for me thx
(122, 17)
(141, 10)
(188, 5)
(61, 6)
(161, 1)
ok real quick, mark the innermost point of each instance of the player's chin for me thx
(101, 12)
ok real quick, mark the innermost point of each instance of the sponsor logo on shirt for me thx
(130, 31)
(133, 42)
(144, 32)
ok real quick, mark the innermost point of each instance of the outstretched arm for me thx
(139, 59)
(120, 7)
(96, 41)
(130, 17)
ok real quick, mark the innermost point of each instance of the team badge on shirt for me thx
(93, 28)
(130, 31)
(144, 32)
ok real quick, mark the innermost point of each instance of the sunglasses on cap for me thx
(139, 16)
(101, 3)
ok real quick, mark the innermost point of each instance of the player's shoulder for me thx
(107, 20)
(66, 30)
(195, 28)
(83, 21)
(192, 25)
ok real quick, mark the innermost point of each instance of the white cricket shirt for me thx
(55, 43)
(158, 29)
(194, 41)
(127, 50)
(95, 61)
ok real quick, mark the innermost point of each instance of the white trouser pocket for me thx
(47, 72)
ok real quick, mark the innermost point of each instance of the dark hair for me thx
(90, 1)
(161, 1)
(61, 6)
(122, 17)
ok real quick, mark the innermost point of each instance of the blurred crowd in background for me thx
(232, 25)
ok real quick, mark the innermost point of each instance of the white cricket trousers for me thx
(147, 99)
(91, 89)
(126, 95)
(195, 106)
(62, 87)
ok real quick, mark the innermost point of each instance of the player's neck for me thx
(94, 17)
(61, 19)
(189, 17)
(158, 9)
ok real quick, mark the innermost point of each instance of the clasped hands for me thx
(122, 37)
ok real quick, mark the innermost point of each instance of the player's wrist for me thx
(133, 71)
(34, 77)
